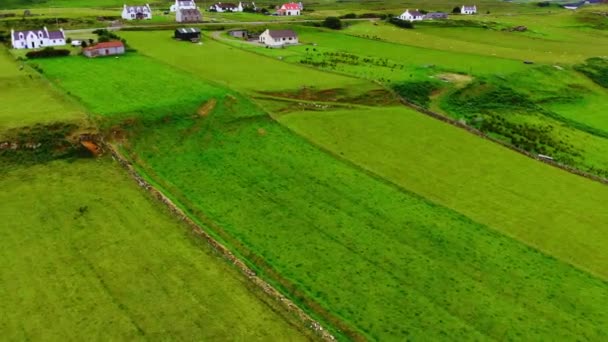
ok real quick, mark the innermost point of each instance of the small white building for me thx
(290, 9)
(104, 49)
(468, 9)
(137, 12)
(226, 7)
(183, 4)
(278, 38)
(411, 15)
(33, 39)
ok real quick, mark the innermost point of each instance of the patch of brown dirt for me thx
(206, 108)
(92, 147)
(457, 79)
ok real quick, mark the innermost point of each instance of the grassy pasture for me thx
(85, 254)
(550, 209)
(128, 86)
(367, 251)
(243, 70)
(28, 99)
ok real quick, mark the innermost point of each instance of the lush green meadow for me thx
(377, 261)
(28, 99)
(128, 86)
(85, 254)
(542, 206)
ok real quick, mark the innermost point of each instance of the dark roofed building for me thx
(188, 33)
(435, 15)
(188, 16)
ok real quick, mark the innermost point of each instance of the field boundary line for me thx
(482, 135)
(268, 289)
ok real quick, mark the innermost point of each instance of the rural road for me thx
(114, 28)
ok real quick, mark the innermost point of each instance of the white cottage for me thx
(183, 4)
(34, 39)
(226, 7)
(468, 9)
(278, 38)
(290, 9)
(137, 12)
(411, 15)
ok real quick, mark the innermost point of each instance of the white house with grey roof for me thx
(411, 15)
(183, 4)
(468, 9)
(137, 12)
(278, 38)
(34, 39)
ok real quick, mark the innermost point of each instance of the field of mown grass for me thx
(27, 99)
(382, 262)
(241, 69)
(128, 86)
(84, 253)
(541, 206)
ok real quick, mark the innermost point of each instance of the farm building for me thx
(137, 12)
(226, 7)
(278, 38)
(114, 47)
(33, 39)
(468, 9)
(239, 33)
(573, 6)
(183, 4)
(290, 9)
(411, 15)
(188, 33)
(435, 16)
(188, 16)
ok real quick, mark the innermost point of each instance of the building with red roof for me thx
(290, 9)
(114, 47)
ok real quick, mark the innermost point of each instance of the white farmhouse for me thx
(226, 7)
(183, 4)
(278, 38)
(411, 15)
(137, 12)
(34, 39)
(468, 9)
(290, 9)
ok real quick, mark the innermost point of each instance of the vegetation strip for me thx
(198, 230)
(481, 134)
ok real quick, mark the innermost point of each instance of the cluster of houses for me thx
(576, 5)
(415, 15)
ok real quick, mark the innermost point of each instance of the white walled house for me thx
(183, 4)
(468, 9)
(137, 12)
(278, 38)
(226, 7)
(290, 9)
(33, 39)
(411, 15)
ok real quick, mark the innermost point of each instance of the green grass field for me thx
(85, 254)
(365, 251)
(28, 99)
(491, 185)
(128, 86)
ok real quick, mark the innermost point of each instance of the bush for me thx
(401, 23)
(333, 23)
(349, 16)
(418, 92)
(456, 10)
(47, 52)
(69, 40)
(372, 16)
(543, 4)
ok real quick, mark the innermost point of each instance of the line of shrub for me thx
(47, 52)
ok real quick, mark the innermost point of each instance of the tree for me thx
(333, 23)
(83, 44)
(456, 10)
(69, 40)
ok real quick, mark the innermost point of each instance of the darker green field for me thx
(355, 249)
